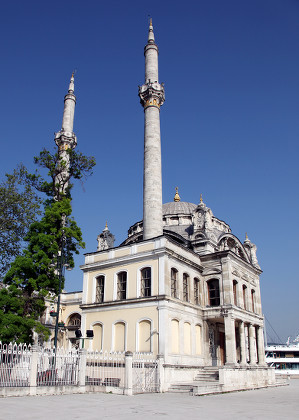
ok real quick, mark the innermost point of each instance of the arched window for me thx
(175, 336)
(235, 291)
(244, 288)
(197, 339)
(119, 336)
(144, 336)
(187, 338)
(214, 293)
(185, 287)
(100, 285)
(97, 342)
(174, 281)
(146, 282)
(253, 300)
(74, 321)
(122, 285)
(196, 292)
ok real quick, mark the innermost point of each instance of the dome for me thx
(178, 207)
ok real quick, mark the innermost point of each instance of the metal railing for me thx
(15, 362)
(105, 368)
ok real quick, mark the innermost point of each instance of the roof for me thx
(178, 207)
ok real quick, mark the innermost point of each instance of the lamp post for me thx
(60, 274)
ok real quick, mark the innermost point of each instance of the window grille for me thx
(174, 275)
(122, 285)
(214, 293)
(100, 289)
(146, 282)
(185, 287)
(196, 292)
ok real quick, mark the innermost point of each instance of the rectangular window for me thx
(100, 289)
(185, 287)
(244, 297)
(196, 292)
(235, 291)
(174, 275)
(122, 285)
(146, 282)
(253, 300)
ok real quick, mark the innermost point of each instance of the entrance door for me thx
(222, 347)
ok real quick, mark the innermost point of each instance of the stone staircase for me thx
(205, 382)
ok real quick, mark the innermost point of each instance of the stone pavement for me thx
(270, 403)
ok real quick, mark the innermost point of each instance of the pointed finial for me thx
(106, 226)
(151, 36)
(177, 197)
(71, 86)
(246, 236)
(201, 200)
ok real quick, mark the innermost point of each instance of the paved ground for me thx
(270, 403)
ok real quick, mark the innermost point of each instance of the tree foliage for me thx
(51, 241)
(19, 207)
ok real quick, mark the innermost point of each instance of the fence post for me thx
(128, 373)
(33, 370)
(160, 372)
(82, 368)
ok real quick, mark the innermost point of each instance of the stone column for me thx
(242, 343)
(128, 373)
(230, 340)
(82, 369)
(252, 345)
(260, 345)
(152, 97)
(160, 372)
(33, 370)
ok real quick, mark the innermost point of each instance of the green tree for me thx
(34, 274)
(19, 207)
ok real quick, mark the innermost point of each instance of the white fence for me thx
(15, 362)
(36, 368)
(145, 373)
(105, 368)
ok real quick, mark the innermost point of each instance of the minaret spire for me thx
(65, 138)
(152, 97)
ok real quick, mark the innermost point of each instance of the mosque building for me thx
(181, 286)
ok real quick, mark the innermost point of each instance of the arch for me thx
(214, 292)
(196, 288)
(99, 288)
(74, 320)
(198, 338)
(187, 338)
(175, 336)
(253, 300)
(144, 338)
(186, 287)
(94, 286)
(119, 336)
(121, 285)
(244, 291)
(235, 292)
(174, 282)
(97, 342)
(231, 242)
(146, 281)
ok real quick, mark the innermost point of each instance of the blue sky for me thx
(229, 124)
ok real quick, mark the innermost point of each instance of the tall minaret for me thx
(152, 97)
(65, 138)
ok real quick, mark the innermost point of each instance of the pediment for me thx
(210, 271)
(236, 273)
